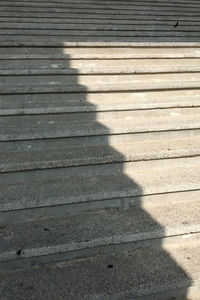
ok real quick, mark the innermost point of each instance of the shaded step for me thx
(91, 17)
(20, 190)
(148, 10)
(94, 102)
(108, 3)
(42, 27)
(109, 7)
(150, 26)
(58, 67)
(99, 41)
(120, 52)
(89, 80)
(119, 275)
(148, 31)
(41, 154)
(82, 20)
(103, 123)
(109, 227)
(95, 83)
(74, 209)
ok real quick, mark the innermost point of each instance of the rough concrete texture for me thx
(83, 102)
(128, 275)
(97, 182)
(98, 228)
(99, 149)
(63, 156)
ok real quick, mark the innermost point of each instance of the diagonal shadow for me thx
(123, 185)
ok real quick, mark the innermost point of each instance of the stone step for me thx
(95, 102)
(83, 41)
(41, 154)
(108, 3)
(32, 189)
(138, 274)
(91, 17)
(32, 27)
(74, 209)
(87, 81)
(103, 123)
(135, 10)
(109, 227)
(144, 32)
(22, 84)
(75, 87)
(109, 66)
(187, 21)
(106, 6)
(120, 52)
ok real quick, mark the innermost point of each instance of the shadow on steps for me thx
(100, 281)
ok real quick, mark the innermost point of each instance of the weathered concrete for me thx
(121, 51)
(99, 149)
(22, 104)
(44, 158)
(109, 227)
(68, 125)
(114, 276)
(22, 190)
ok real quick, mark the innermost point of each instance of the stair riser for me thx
(121, 52)
(64, 157)
(74, 185)
(95, 102)
(51, 130)
(99, 6)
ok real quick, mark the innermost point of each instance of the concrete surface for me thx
(99, 149)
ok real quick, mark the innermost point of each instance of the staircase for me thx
(99, 149)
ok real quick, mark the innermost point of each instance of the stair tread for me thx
(28, 189)
(106, 52)
(129, 274)
(87, 80)
(95, 102)
(123, 66)
(66, 125)
(38, 155)
(98, 228)
(113, 6)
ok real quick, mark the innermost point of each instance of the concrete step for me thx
(89, 80)
(135, 10)
(120, 52)
(74, 209)
(41, 27)
(103, 123)
(138, 274)
(109, 227)
(21, 84)
(100, 18)
(98, 33)
(32, 189)
(108, 3)
(95, 102)
(106, 6)
(61, 66)
(140, 31)
(99, 41)
(41, 154)
(168, 21)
